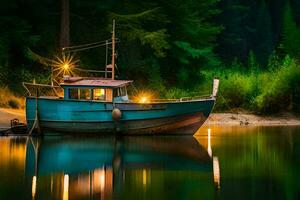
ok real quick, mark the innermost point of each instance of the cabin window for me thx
(109, 94)
(118, 92)
(99, 94)
(85, 94)
(73, 93)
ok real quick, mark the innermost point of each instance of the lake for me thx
(218, 163)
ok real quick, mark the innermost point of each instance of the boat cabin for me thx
(95, 89)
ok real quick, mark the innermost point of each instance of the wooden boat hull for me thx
(72, 116)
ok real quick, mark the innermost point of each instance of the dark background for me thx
(171, 46)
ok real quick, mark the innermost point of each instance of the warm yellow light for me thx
(102, 179)
(209, 150)
(66, 187)
(143, 100)
(144, 177)
(216, 171)
(143, 97)
(66, 66)
(99, 94)
(33, 187)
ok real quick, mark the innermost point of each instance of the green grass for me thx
(9, 100)
(268, 91)
(264, 92)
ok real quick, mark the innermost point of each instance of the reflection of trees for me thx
(12, 166)
(12, 151)
(257, 162)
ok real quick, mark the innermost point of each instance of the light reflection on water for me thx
(218, 163)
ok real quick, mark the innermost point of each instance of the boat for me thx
(101, 105)
(63, 154)
(97, 166)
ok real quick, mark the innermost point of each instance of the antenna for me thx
(113, 52)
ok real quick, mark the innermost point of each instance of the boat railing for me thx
(198, 96)
(38, 90)
(182, 99)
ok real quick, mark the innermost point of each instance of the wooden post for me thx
(36, 123)
(215, 87)
(113, 53)
(106, 55)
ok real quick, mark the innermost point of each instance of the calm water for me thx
(226, 163)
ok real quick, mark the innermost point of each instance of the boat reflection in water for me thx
(125, 167)
(226, 163)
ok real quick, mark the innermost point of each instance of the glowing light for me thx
(51, 185)
(216, 171)
(99, 94)
(102, 179)
(209, 150)
(144, 177)
(64, 66)
(33, 188)
(143, 98)
(66, 187)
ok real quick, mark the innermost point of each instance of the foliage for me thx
(260, 91)
(134, 27)
(291, 32)
(9, 100)
(280, 91)
(172, 47)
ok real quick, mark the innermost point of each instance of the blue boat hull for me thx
(73, 116)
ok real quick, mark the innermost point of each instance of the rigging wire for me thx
(90, 44)
(87, 47)
(84, 45)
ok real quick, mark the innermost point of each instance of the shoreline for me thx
(245, 119)
(215, 119)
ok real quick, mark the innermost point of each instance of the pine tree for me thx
(64, 40)
(192, 38)
(291, 32)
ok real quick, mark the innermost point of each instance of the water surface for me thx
(223, 163)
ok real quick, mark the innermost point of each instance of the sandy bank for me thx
(215, 119)
(233, 119)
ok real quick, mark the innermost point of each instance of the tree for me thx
(192, 40)
(64, 40)
(291, 32)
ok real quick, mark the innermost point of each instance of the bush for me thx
(237, 89)
(176, 93)
(9, 100)
(13, 103)
(265, 92)
(280, 91)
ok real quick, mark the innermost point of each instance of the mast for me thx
(113, 52)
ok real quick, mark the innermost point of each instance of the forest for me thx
(171, 48)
